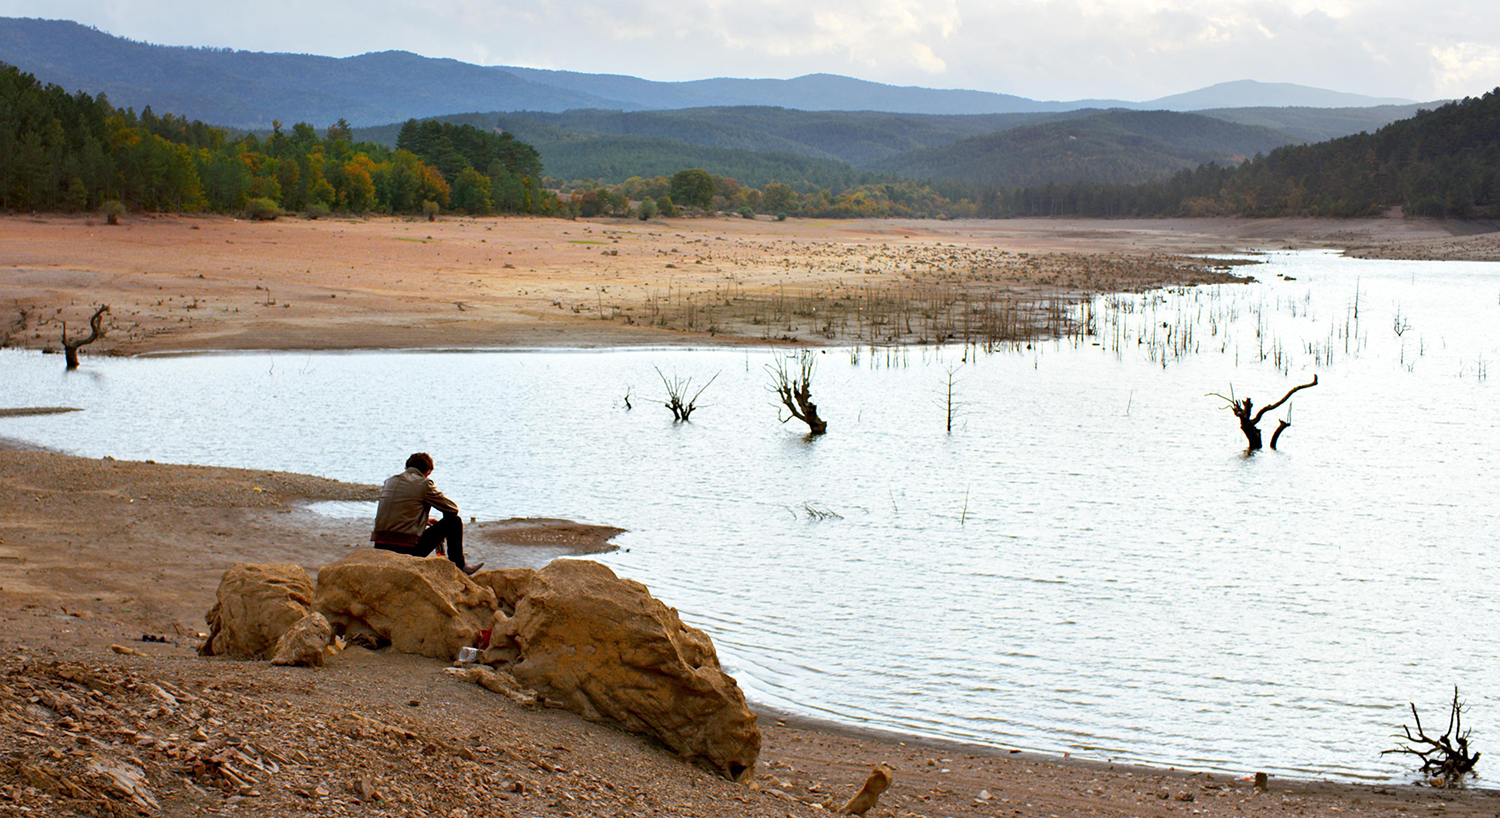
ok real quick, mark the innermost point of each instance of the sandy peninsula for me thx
(201, 283)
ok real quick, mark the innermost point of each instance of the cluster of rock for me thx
(572, 633)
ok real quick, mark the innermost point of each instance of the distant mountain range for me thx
(249, 89)
(1112, 147)
(831, 131)
(757, 145)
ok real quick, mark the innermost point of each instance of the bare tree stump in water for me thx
(794, 389)
(70, 348)
(677, 401)
(1250, 423)
(1446, 758)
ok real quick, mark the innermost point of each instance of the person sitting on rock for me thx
(401, 521)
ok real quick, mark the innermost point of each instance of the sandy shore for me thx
(1481, 247)
(198, 283)
(96, 553)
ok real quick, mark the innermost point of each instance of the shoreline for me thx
(805, 742)
(210, 283)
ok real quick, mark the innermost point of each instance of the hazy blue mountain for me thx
(249, 89)
(1252, 94)
(1109, 147)
(828, 92)
(1318, 124)
(813, 92)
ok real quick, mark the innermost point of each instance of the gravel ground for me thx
(1484, 247)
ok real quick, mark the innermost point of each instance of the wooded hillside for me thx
(1443, 162)
(75, 152)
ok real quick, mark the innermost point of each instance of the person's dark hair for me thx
(421, 461)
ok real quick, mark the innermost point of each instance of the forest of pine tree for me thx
(74, 152)
(1444, 162)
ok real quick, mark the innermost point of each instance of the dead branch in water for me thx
(950, 408)
(1446, 759)
(677, 401)
(1249, 424)
(794, 389)
(70, 348)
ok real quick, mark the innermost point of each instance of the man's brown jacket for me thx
(404, 501)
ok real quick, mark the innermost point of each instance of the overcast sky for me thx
(1044, 49)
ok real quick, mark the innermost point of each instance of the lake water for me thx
(1087, 563)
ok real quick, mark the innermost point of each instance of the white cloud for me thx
(890, 35)
(925, 59)
(1464, 66)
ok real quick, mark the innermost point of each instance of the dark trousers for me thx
(449, 530)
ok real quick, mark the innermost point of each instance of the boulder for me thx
(423, 606)
(304, 643)
(509, 585)
(256, 604)
(609, 651)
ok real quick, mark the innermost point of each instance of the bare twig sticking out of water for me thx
(820, 514)
(1400, 324)
(964, 515)
(1281, 426)
(950, 407)
(677, 399)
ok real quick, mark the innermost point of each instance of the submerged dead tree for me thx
(1446, 760)
(791, 380)
(96, 327)
(1250, 423)
(950, 407)
(677, 399)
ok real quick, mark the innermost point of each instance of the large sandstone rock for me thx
(509, 585)
(256, 605)
(609, 651)
(424, 606)
(304, 643)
